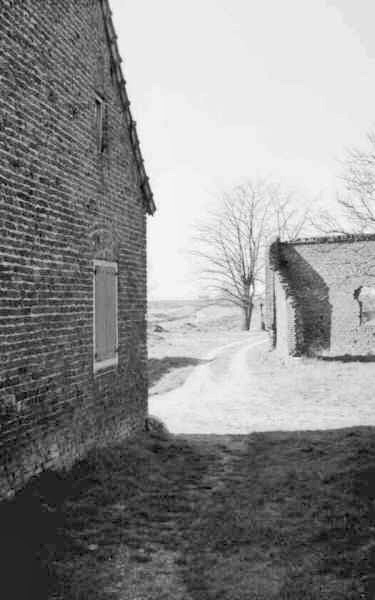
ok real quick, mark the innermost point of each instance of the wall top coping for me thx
(332, 239)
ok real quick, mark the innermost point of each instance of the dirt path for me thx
(245, 388)
(206, 400)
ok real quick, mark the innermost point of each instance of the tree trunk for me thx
(247, 314)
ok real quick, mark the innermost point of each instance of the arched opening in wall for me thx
(365, 296)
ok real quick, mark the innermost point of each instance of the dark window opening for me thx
(365, 296)
(99, 123)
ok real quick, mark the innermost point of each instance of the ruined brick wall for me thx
(62, 205)
(283, 314)
(269, 292)
(325, 276)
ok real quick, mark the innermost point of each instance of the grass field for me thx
(286, 516)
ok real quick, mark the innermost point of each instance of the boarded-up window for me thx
(105, 314)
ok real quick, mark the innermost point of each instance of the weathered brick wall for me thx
(269, 292)
(311, 295)
(62, 204)
(284, 317)
(323, 275)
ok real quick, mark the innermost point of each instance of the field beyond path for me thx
(208, 376)
(246, 387)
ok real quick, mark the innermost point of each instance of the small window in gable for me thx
(105, 323)
(100, 123)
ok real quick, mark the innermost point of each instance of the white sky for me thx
(225, 89)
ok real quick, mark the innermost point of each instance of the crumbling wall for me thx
(331, 279)
(63, 204)
(311, 295)
(269, 292)
(283, 314)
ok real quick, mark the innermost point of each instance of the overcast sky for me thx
(227, 89)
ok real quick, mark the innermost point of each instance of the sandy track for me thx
(206, 401)
(244, 388)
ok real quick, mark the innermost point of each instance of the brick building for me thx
(320, 295)
(73, 202)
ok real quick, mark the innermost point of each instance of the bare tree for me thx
(231, 242)
(329, 222)
(359, 179)
(355, 208)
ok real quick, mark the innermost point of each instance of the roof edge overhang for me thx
(117, 60)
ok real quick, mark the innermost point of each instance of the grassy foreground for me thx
(284, 516)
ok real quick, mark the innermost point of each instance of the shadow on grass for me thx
(158, 367)
(365, 358)
(272, 516)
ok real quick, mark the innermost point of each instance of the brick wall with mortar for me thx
(322, 275)
(62, 205)
(284, 318)
(269, 292)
